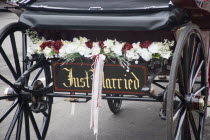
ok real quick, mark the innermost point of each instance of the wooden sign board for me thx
(77, 77)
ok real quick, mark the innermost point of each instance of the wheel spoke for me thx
(197, 72)
(46, 121)
(8, 97)
(6, 59)
(181, 80)
(201, 125)
(192, 122)
(193, 65)
(180, 96)
(8, 111)
(8, 82)
(24, 42)
(15, 53)
(33, 121)
(177, 112)
(186, 67)
(36, 76)
(45, 114)
(199, 90)
(27, 128)
(12, 125)
(19, 126)
(180, 123)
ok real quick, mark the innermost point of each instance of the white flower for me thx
(84, 51)
(146, 55)
(155, 47)
(164, 51)
(117, 48)
(35, 48)
(63, 51)
(107, 50)
(83, 40)
(48, 52)
(166, 54)
(137, 48)
(68, 49)
(96, 49)
(65, 42)
(131, 54)
(80, 40)
(109, 43)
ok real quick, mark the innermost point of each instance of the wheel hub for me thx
(196, 102)
(9, 92)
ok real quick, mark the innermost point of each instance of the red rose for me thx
(145, 44)
(101, 44)
(45, 44)
(89, 44)
(126, 47)
(56, 45)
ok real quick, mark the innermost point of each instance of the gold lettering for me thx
(125, 81)
(108, 83)
(87, 79)
(113, 82)
(119, 85)
(69, 77)
(130, 83)
(136, 81)
(75, 82)
(83, 82)
(103, 82)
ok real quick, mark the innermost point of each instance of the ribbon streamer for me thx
(96, 91)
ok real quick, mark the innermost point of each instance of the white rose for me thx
(96, 49)
(117, 48)
(76, 41)
(131, 54)
(137, 48)
(107, 50)
(63, 51)
(155, 47)
(65, 42)
(83, 40)
(109, 43)
(84, 51)
(48, 52)
(146, 55)
(165, 54)
(72, 48)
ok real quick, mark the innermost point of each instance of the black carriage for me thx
(183, 77)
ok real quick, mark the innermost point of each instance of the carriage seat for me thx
(142, 15)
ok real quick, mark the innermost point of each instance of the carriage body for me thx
(185, 22)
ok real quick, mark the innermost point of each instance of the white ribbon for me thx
(96, 91)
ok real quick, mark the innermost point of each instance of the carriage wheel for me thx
(114, 105)
(16, 109)
(187, 90)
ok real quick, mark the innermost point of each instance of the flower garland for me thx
(124, 52)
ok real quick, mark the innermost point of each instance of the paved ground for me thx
(136, 121)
